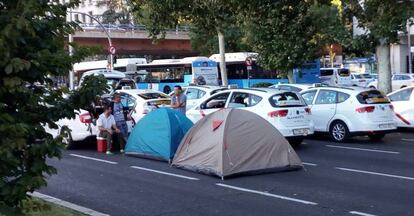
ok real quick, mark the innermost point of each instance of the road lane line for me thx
(409, 140)
(360, 213)
(309, 164)
(164, 173)
(375, 173)
(267, 194)
(362, 149)
(92, 158)
(304, 143)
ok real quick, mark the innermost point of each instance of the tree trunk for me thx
(223, 70)
(384, 67)
(290, 76)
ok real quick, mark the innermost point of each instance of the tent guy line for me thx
(267, 194)
(165, 173)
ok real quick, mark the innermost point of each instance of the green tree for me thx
(287, 33)
(32, 51)
(118, 11)
(203, 15)
(380, 23)
(205, 42)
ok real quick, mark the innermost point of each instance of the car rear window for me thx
(152, 95)
(343, 72)
(372, 97)
(327, 72)
(286, 99)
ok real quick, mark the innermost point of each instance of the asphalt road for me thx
(356, 178)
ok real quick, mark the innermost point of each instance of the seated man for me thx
(106, 123)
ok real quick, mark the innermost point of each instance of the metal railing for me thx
(125, 27)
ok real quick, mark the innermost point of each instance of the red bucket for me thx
(101, 144)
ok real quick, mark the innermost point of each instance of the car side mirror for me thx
(202, 106)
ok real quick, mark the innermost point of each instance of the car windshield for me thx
(343, 72)
(372, 97)
(286, 99)
(358, 76)
(327, 72)
(366, 76)
(152, 95)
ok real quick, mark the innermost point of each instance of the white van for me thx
(336, 76)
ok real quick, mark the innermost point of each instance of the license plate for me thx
(382, 126)
(301, 131)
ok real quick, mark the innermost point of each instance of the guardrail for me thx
(125, 27)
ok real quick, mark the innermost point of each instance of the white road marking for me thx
(362, 149)
(304, 143)
(409, 140)
(309, 164)
(92, 158)
(376, 173)
(360, 213)
(267, 194)
(164, 173)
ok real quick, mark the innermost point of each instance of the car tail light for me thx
(85, 118)
(367, 109)
(278, 113)
(308, 110)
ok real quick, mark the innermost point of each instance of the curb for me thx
(69, 205)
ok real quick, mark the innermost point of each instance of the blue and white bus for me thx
(164, 74)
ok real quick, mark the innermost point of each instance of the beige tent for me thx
(234, 141)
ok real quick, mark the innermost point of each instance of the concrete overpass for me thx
(136, 42)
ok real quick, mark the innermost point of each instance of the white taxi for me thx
(197, 93)
(346, 112)
(287, 111)
(140, 102)
(403, 102)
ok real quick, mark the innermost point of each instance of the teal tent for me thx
(158, 134)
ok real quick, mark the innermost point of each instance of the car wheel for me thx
(339, 131)
(67, 138)
(294, 142)
(376, 137)
(403, 86)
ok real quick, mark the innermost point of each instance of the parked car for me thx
(361, 79)
(398, 81)
(285, 110)
(74, 130)
(196, 94)
(403, 102)
(140, 102)
(346, 112)
(291, 87)
(82, 127)
(296, 87)
(336, 76)
(113, 77)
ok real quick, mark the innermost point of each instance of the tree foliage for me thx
(288, 33)
(32, 51)
(117, 11)
(380, 19)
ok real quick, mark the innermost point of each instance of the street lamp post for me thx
(70, 37)
(410, 64)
